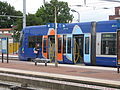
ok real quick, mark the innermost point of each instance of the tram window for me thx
(32, 40)
(87, 45)
(39, 40)
(68, 45)
(59, 45)
(44, 47)
(21, 39)
(64, 44)
(108, 44)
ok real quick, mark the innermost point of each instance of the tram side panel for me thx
(87, 49)
(21, 47)
(26, 47)
(45, 46)
(67, 57)
(60, 48)
(105, 44)
(31, 36)
(23, 50)
(106, 49)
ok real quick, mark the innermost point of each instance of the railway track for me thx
(14, 86)
(28, 82)
(10, 58)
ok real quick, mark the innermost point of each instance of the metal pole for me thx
(77, 13)
(7, 50)
(13, 41)
(118, 69)
(84, 2)
(2, 57)
(56, 64)
(44, 2)
(78, 16)
(93, 43)
(24, 13)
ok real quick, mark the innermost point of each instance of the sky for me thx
(93, 12)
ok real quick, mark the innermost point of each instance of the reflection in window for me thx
(32, 40)
(44, 47)
(108, 44)
(59, 45)
(87, 45)
(69, 45)
(64, 44)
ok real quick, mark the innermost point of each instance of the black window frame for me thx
(44, 45)
(64, 43)
(69, 45)
(59, 45)
(87, 43)
(32, 40)
(108, 44)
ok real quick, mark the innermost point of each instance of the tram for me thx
(76, 43)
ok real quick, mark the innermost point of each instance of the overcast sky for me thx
(94, 11)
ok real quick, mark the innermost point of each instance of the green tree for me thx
(33, 20)
(10, 22)
(46, 13)
(7, 9)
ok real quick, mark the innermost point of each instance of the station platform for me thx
(94, 75)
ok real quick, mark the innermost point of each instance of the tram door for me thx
(51, 45)
(44, 46)
(78, 49)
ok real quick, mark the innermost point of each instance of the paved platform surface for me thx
(107, 75)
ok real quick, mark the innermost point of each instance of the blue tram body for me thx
(74, 43)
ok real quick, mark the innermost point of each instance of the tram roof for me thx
(36, 30)
(85, 27)
(102, 26)
(106, 26)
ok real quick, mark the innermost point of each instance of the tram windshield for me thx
(32, 40)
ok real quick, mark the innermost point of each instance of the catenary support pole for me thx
(7, 51)
(2, 58)
(24, 13)
(93, 43)
(56, 63)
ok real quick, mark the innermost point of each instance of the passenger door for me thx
(87, 49)
(60, 49)
(45, 46)
(69, 45)
(78, 48)
(51, 48)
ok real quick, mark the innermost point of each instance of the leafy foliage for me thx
(7, 9)
(47, 12)
(33, 20)
(10, 22)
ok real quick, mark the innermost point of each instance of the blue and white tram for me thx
(74, 43)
